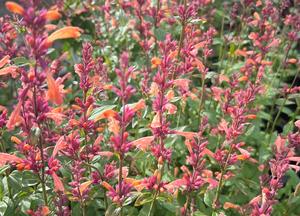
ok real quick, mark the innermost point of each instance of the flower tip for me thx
(14, 7)
(53, 15)
(64, 33)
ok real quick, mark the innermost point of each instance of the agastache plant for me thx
(119, 141)
(149, 107)
(33, 109)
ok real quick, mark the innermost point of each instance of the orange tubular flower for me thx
(53, 90)
(9, 69)
(63, 33)
(155, 62)
(14, 7)
(4, 61)
(15, 117)
(53, 15)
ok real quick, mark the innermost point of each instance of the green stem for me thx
(223, 170)
(187, 203)
(183, 23)
(282, 105)
(3, 149)
(271, 84)
(152, 203)
(202, 97)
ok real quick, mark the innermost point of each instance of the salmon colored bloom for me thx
(106, 114)
(15, 117)
(63, 33)
(140, 105)
(156, 121)
(16, 140)
(251, 116)
(84, 186)
(113, 125)
(53, 15)
(292, 61)
(8, 158)
(58, 185)
(155, 62)
(4, 61)
(50, 27)
(106, 186)
(9, 69)
(14, 7)
(53, 90)
(143, 143)
(243, 79)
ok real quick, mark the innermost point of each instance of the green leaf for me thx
(3, 207)
(100, 110)
(209, 196)
(198, 213)
(112, 210)
(20, 61)
(143, 199)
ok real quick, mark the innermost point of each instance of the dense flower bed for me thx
(150, 108)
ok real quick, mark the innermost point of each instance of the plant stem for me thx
(223, 170)
(271, 83)
(202, 97)
(187, 203)
(153, 201)
(40, 145)
(3, 149)
(183, 23)
(282, 105)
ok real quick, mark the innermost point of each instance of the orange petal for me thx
(113, 125)
(175, 185)
(170, 94)
(106, 115)
(155, 62)
(228, 205)
(243, 79)
(98, 141)
(106, 185)
(50, 27)
(53, 15)
(154, 89)
(60, 145)
(186, 134)
(4, 61)
(172, 109)
(200, 65)
(156, 121)
(9, 70)
(84, 186)
(53, 90)
(143, 143)
(14, 7)
(56, 117)
(16, 140)
(140, 105)
(45, 211)
(15, 117)
(58, 185)
(64, 33)
(264, 62)
(137, 184)
(251, 116)
(292, 61)
(8, 158)
(106, 154)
